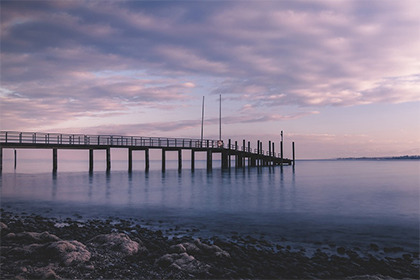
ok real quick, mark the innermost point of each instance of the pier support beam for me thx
(179, 159)
(55, 166)
(130, 160)
(90, 160)
(209, 159)
(108, 159)
(225, 159)
(1, 159)
(293, 152)
(281, 154)
(192, 159)
(163, 159)
(274, 154)
(146, 159)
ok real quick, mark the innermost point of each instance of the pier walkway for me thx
(243, 154)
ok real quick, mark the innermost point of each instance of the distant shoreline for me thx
(417, 157)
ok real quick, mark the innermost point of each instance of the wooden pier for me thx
(243, 154)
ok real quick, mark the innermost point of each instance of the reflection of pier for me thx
(243, 154)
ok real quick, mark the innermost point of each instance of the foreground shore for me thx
(36, 247)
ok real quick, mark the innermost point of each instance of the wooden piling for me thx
(90, 160)
(1, 159)
(130, 160)
(108, 159)
(163, 159)
(293, 152)
(209, 159)
(274, 154)
(192, 159)
(269, 152)
(224, 159)
(55, 166)
(146, 159)
(15, 152)
(179, 159)
(281, 153)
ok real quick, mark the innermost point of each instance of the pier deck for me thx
(54, 141)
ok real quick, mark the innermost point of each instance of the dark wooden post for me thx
(90, 160)
(224, 159)
(281, 153)
(229, 144)
(163, 159)
(269, 152)
(108, 159)
(192, 159)
(274, 154)
(1, 159)
(55, 166)
(179, 159)
(130, 160)
(15, 152)
(293, 152)
(209, 159)
(146, 158)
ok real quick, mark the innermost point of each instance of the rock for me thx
(200, 248)
(177, 249)
(69, 252)
(119, 242)
(3, 226)
(34, 237)
(341, 250)
(183, 262)
(374, 247)
(46, 273)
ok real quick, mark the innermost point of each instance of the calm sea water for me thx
(350, 203)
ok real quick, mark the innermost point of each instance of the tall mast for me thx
(220, 118)
(202, 120)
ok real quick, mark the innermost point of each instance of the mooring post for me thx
(224, 159)
(209, 159)
(293, 152)
(258, 153)
(163, 159)
(15, 152)
(108, 159)
(250, 153)
(90, 160)
(269, 152)
(192, 159)
(229, 144)
(281, 154)
(179, 159)
(55, 160)
(146, 158)
(274, 153)
(130, 159)
(1, 159)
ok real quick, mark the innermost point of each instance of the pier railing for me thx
(102, 140)
(39, 138)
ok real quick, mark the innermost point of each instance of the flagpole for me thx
(220, 118)
(202, 121)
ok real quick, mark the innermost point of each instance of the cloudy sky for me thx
(340, 78)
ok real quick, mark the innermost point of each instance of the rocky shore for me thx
(36, 247)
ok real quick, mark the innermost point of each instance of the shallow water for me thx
(353, 203)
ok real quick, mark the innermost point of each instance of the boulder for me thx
(118, 242)
(3, 226)
(69, 252)
(34, 237)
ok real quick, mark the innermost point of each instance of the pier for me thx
(243, 154)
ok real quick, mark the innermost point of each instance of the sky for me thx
(340, 78)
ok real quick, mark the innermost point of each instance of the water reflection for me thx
(272, 199)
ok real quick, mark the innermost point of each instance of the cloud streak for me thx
(64, 60)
